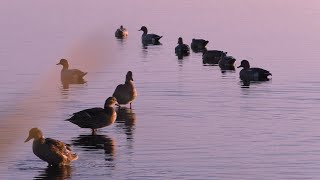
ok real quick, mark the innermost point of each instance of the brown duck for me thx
(54, 152)
(126, 93)
(97, 117)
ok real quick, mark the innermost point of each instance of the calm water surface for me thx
(189, 121)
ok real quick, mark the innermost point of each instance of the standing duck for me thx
(252, 74)
(182, 49)
(126, 93)
(97, 117)
(121, 32)
(70, 75)
(149, 38)
(198, 45)
(54, 152)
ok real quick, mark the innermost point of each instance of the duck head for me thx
(64, 63)
(110, 102)
(144, 29)
(35, 133)
(180, 41)
(129, 76)
(245, 64)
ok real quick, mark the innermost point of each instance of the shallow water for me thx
(190, 120)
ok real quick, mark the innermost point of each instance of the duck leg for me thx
(94, 131)
(130, 106)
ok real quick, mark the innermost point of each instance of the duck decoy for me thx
(149, 38)
(198, 45)
(54, 152)
(121, 32)
(97, 117)
(227, 62)
(70, 75)
(126, 93)
(212, 56)
(253, 74)
(182, 49)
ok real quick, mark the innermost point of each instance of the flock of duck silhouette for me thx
(57, 153)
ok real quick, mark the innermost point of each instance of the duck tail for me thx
(85, 73)
(73, 157)
(205, 43)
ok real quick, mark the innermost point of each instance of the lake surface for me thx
(190, 120)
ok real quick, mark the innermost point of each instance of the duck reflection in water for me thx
(66, 83)
(126, 120)
(55, 173)
(96, 142)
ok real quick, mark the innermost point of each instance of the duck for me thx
(227, 63)
(212, 56)
(97, 117)
(149, 38)
(54, 152)
(126, 93)
(253, 74)
(182, 49)
(198, 45)
(121, 32)
(70, 75)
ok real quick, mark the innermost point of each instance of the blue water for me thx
(190, 120)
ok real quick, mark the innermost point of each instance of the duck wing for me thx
(59, 152)
(150, 37)
(76, 73)
(87, 118)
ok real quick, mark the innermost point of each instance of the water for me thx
(189, 121)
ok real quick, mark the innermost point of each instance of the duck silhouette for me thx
(253, 74)
(149, 38)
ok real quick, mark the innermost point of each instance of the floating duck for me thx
(97, 117)
(227, 62)
(70, 75)
(253, 74)
(149, 38)
(121, 32)
(126, 93)
(198, 45)
(54, 152)
(182, 49)
(212, 56)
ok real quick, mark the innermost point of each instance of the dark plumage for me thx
(182, 49)
(198, 44)
(121, 32)
(227, 63)
(126, 93)
(97, 117)
(212, 56)
(149, 38)
(54, 152)
(253, 74)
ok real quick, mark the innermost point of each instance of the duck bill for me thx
(240, 66)
(58, 64)
(118, 105)
(28, 139)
